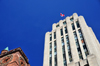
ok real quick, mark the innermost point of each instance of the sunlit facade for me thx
(71, 43)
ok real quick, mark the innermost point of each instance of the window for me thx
(61, 31)
(86, 65)
(71, 19)
(50, 45)
(55, 60)
(67, 37)
(77, 45)
(70, 59)
(64, 23)
(50, 61)
(73, 27)
(57, 25)
(83, 43)
(54, 44)
(55, 50)
(69, 49)
(62, 39)
(64, 63)
(50, 49)
(77, 23)
(80, 56)
(63, 50)
(50, 37)
(50, 55)
(54, 35)
(75, 37)
(50, 52)
(65, 30)
(63, 43)
(55, 53)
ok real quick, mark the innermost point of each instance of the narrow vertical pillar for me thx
(46, 50)
(59, 48)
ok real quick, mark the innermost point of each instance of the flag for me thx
(62, 15)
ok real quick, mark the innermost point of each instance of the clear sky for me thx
(23, 23)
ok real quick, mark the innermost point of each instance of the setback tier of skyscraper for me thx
(71, 43)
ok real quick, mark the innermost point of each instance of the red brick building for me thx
(15, 57)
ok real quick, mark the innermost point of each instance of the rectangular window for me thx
(57, 25)
(50, 45)
(62, 39)
(66, 30)
(77, 23)
(55, 60)
(50, 37)
(50, 61)
(64, 23)
(55, 45)
(73, 27)
(71, 19)
(67, 37)
(54, 35)
(61, 31)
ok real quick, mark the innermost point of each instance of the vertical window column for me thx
(63, 50)
(55, 53)
(78, 46)
(83, 43)
(50, 55)
(69, 49)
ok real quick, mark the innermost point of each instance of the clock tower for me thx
(15, 57)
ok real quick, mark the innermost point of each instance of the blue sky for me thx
(23, 23)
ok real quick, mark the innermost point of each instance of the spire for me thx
(6, 49)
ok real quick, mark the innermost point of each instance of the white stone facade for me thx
(79, 55)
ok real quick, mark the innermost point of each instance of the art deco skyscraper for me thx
(71, 43)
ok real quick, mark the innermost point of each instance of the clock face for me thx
(6, 59)
(22, 61)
